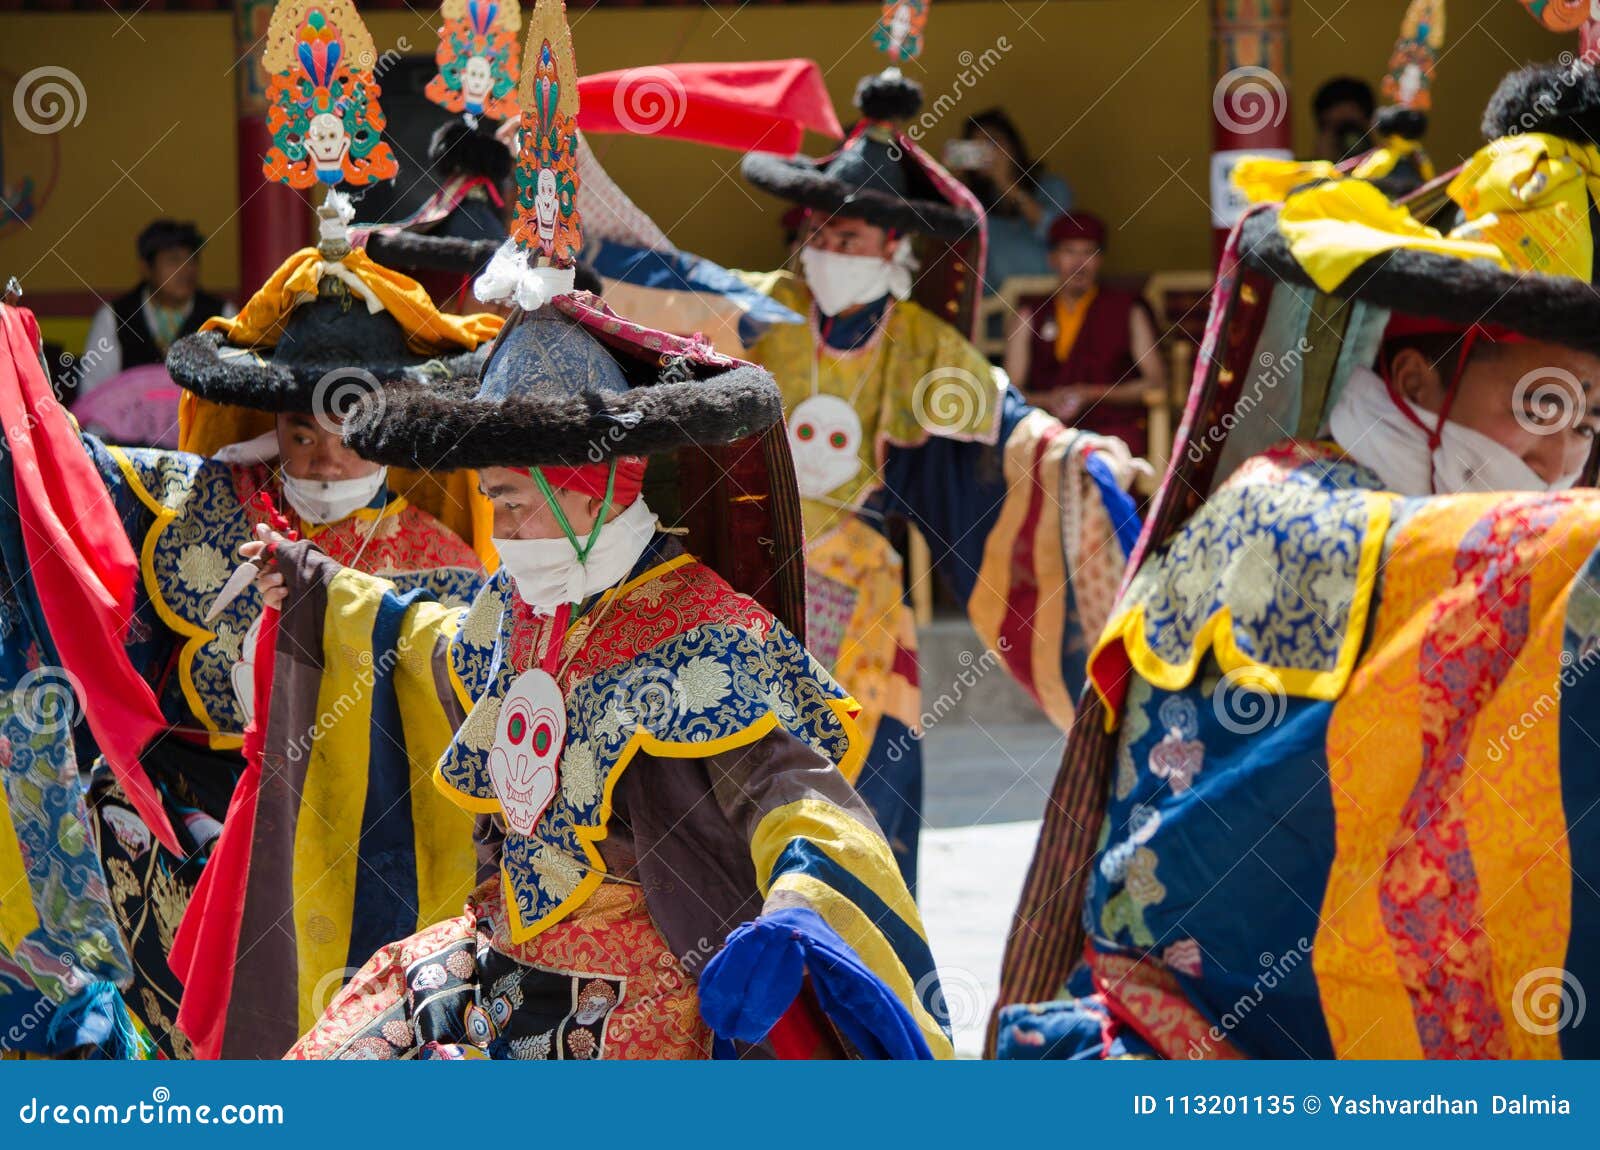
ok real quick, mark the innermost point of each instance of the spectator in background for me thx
(1343, 108)
(137, 328)
(1087, 353)
(1021, 198)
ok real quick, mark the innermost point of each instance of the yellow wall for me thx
(1115, 95)
(158, 106)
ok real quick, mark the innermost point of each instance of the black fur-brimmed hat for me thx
(460, 227)
(1557, 309)
(331, 346)
(1561, 100)
(569, 384)
(879, 175)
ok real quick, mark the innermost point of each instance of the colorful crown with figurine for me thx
(899, 31)
(548, 227)
(477, 58)
(1409, 80)
(322, 97)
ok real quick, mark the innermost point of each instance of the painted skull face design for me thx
(825, 440)
(529, 735)
(595, 1000)
(327, 141)
(430, 977)
(129, 830)
(476, 80)
(545, 205)
(1410, 83)
(899, 27)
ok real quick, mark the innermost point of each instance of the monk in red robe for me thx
(1087, 353)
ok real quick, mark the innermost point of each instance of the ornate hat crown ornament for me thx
(322, 109)
(1409, 80)
(536, 263)
(477, 59)
(899, 31)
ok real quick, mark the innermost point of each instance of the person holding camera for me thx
(1020, 197)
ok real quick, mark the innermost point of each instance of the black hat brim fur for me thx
(417, 251)
(800, 180)
(1556, 309)
(214, 369)
(450, 427)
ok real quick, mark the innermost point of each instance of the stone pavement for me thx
(985, 794)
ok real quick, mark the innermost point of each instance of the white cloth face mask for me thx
(316, 501)
(1468, 460)
(839, 282)
(548, 572)
(1371, 427)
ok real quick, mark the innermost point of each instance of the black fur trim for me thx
(889, 95)
(417, 251)
(1556, 309)
(449, 427)
(457, 150)
(1395, 120)
(799, 180)
(585, 278)
(213, 369)
(1558, 100)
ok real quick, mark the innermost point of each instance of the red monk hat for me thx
(1078, 226)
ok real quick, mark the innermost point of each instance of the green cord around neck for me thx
(583, 549)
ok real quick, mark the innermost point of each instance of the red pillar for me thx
(1250, 109)
(273, 219)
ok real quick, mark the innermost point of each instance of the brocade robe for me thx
(701, 848)
(1349, 815)
(185, 517)
(1024, 520)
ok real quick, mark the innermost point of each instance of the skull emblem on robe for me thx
(528, 739)
(476, 81)
(825, 440)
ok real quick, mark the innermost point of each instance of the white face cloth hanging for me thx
(316, 501)
(548, 572)
(1370, 426)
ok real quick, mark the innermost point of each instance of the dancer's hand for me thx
(269, 582)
